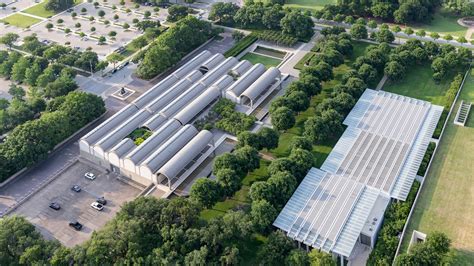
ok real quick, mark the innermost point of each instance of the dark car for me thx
(102, 201)
(76, 225)
(54, 206)
(76, 188)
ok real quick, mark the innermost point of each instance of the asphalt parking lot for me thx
(75, 206)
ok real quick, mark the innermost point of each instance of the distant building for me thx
(173, 146)
(375, 160)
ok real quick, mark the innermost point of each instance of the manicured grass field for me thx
(446, 202)
(309, 4)
(418, 83)
(265, 60)
(445, 23)
(21, 21)
(40, 10)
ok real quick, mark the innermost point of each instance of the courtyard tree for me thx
(263, 214)
(116, 16)
(83, 10)
(394, 70)
(229, 180)
(126, 26)
(268, 138)
(49, 26)
(101, 13)
(60, 21)
(9, 39)
(283, 118)
(206, 192)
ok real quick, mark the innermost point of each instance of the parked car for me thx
(89, 175)
(54, 206)
(102, 201)
(76, 225)
(97, 206)
(76, 188)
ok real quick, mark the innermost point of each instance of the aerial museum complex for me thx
(175, 147)
(334, 207)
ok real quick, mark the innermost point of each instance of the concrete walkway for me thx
(299, 53)
(381, 83)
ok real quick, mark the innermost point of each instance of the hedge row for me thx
(449, 100)
(241, 45)
(394, 221)
(426, 159)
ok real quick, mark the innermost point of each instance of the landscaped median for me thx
(41, 11)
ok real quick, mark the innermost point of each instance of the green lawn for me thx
(446, 201)
(445, 23)
(40, 10)
(418, 83)
(309, 4)
(265, 60)
(21, 21)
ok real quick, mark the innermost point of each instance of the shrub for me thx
(241, 45)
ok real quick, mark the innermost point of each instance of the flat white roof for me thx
(375, 159)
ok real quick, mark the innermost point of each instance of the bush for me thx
(426, 159)
(394, 220)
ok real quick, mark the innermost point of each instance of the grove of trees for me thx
(390, 11)
(33, 140)
(171, 46)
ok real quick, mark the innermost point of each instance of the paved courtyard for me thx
(76, 206)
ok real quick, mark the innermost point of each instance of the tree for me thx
(248, 158)
(303, 160)
(434, 251)
(297, 257)
(263, 214)
(126, 26)
(368, 73)
(229, 180)
(408, 31)
(58, 5)
(223, 12)
(283, 118)
(101, 13)
(247, 138)
(358, 31)
(297, 24)
(333, 57)
(301, 143)
(385, 35)
(206, 192)
(20, 243)
(372, 24)
(9, 39)
(176, 12)
(394, 70)
(281, 187)
(237, 35)
(318, 258)
(102, 40)
(276, 249)
(19, 69)
(196, 257)
(298, 101)
(227, 161)
(16, 92)
(49, 26)
(114, 58)
(272, 17)
(268, 138)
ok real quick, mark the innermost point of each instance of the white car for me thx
(89, 175)
(97, 206)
